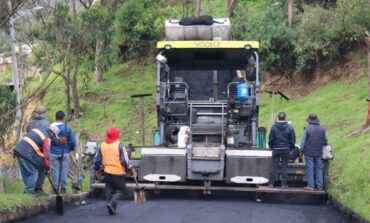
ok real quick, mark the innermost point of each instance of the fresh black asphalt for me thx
(191, 208)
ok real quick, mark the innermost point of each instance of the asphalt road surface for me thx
(196, 209)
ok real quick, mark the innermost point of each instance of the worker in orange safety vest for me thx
(33, 153)
(114, 158)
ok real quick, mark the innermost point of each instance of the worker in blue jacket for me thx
(60, 161)
(281, 141)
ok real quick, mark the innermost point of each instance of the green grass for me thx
(109, 104)
(342, 109)
(13, 196)
(6, 75)
(12, 193)
(8, 201)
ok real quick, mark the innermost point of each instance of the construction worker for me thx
(281, 141)
(39, 119)
(313, 140)
(67, 143)
(116, 162)
(33, 157)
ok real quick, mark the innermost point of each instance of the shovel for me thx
(139, 193)
(59, 205)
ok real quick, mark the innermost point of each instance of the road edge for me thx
(349, 214)
(20, 212)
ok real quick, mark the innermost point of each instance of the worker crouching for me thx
(115, 160)
(33, 153)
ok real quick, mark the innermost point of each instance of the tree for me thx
(367, 40)
(290, 13)
(197, 8)
(231, 5)
(98, 48)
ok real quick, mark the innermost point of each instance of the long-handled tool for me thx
(59, 206)
(139, 193)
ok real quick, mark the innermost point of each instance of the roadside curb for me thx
(347, 213)
(20, 212)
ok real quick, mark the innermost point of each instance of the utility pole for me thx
(15, 76)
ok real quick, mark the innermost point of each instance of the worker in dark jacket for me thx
(281, 141)
(39, 119)
(313, 140)
(33, 153)
(67, 142)
(114, 158)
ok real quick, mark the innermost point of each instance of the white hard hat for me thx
(54, 129)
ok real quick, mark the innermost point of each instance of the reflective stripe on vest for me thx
(111, 158)
(34, 146)
(38, 132)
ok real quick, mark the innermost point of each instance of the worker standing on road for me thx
(116, 162)
(66, 140)
(39, 119)
(313, 140)
(33, 153)
(281, 141)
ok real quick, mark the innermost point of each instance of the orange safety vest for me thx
(111, 158)
(33, 144)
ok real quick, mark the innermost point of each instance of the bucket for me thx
(242, 92)
(232, 137)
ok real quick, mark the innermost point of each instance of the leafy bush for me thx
(269, 27)
(323, 31)
(325, 42)
(137, 24)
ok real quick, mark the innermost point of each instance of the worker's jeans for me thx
(33, 178)
(314, 167)
(279, 156)
(115, 185)
(56, 161)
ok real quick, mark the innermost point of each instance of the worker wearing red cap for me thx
(115, 160)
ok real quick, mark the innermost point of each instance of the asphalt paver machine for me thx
(207, 100)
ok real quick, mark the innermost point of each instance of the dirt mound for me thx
(301, 84)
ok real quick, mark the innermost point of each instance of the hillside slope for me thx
(342, 110)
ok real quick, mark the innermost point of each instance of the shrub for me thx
(269, 27)
(325, 42)
(137, 24)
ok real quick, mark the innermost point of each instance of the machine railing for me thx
(172, 98)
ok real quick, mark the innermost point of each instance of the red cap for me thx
(112, 135)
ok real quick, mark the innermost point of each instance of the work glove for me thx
(63, 140)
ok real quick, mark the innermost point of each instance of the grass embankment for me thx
(342, 109)
(11, 193)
